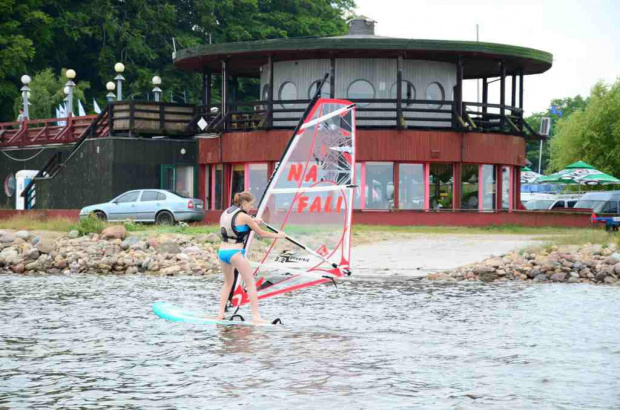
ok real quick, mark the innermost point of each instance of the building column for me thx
(485, 94)
(332, 78)
(521, 98)
(206, 89)
(399, 92)
(458, 95)
(270, 96)
(502, 93)
(224, 87)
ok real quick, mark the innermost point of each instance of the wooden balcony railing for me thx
(371, 113)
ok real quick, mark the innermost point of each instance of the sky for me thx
(579, 34)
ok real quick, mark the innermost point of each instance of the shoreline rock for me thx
(593, 264)
(162, 255)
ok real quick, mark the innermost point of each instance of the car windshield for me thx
(178, 194)
(539, 204)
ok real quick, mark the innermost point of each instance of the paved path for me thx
(417, 257)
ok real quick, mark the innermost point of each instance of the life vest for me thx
(228, 228)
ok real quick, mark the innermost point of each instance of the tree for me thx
(90, 36)
(591, 134)
(567, 106)
(46, 93)
(21, 23)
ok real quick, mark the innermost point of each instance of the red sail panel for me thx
(310, 198)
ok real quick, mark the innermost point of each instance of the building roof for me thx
(480, 59)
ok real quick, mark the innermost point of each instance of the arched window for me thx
(287, 92)
(325, 91)
(265, 94)
(361, 89)
(435, 92)
(9, 185)
(408, 91)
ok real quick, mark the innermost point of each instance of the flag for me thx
(81, 111)
(556, 110)
(96, 107)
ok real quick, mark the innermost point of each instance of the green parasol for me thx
(579, 173)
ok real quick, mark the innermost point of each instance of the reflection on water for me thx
(85, 341)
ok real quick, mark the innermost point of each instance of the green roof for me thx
(480, 59)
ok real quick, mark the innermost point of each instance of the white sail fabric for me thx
(310, 198)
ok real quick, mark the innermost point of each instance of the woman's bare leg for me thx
(245, 270)
(229, 278)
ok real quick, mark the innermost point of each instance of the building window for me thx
(325, 91)
(379, 185)
(207, 201)
(237, 180)
(440, 186)
(361, 89)
(408, 92)
(266, 89)
(469, 186)
(257, 180)
(288, 92)
(505, 187)
(489, 187)
(185, 180)
(178, 178)
(9, 185)
(435, 92)
(411, 186)
(218, 183)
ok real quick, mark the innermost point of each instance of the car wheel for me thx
(100, 215)
(164, 218)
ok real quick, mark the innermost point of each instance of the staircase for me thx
(100, 127)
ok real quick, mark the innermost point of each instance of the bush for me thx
(90, 224)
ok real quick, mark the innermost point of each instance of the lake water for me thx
(92, 341)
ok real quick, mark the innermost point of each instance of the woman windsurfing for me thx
(235, 226)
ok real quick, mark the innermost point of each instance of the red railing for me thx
(45, 131)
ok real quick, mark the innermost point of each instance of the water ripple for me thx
(92, 342)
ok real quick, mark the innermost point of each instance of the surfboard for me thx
(176, 314)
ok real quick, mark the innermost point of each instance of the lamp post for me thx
(70, 74)
(157, 91)
(119, 68)
(25, 94)
(110, 87)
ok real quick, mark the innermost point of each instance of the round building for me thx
(420, 145)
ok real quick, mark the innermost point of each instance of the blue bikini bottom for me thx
(226, 254)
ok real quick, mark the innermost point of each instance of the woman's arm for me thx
(248, 220)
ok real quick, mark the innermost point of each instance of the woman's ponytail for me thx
(242, 196)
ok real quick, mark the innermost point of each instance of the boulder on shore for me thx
(114, 232)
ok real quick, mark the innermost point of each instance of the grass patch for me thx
(37, 223)
(583, 236)
(88, 225)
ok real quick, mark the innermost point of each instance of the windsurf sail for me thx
(309, 196)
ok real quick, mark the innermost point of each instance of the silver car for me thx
(148, 205)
